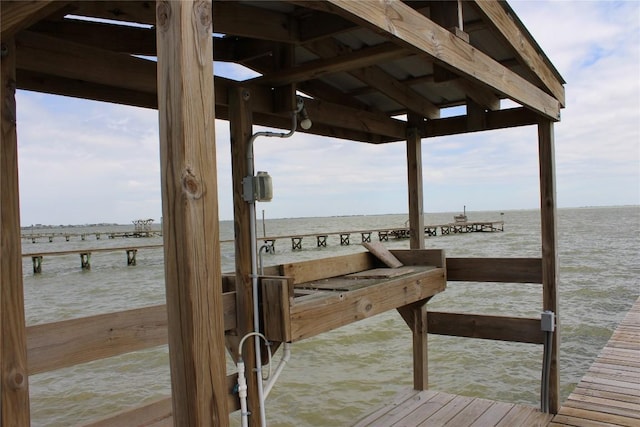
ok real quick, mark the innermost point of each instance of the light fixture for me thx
(305, 122)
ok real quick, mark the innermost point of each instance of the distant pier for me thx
(320, 239)
(384, 234)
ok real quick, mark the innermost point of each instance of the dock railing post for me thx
(14, 381)
(416, 314)
(549, 250)
(193, 277)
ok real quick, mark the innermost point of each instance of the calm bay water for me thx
(337, 377)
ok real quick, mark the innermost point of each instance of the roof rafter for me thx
(69, 67)
(317, 68)
(399, 21)
(379, 79)
(18, 15)
(523, 45)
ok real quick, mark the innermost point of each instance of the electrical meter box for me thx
(258, 188)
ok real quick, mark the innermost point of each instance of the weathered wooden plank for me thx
(321, 315)
(401, 23)
(406, 395)
(70, 342)
(471, 412)
(190, 212)
(448, 412)
(415, 187)
(381, 252)
(491, 120)
(308, 271)
(18, 15)
(158, 412)
(434, 402)
(493, 414)
(318, 68)
(275, 308)
(563, 420)
(14, 382)
(433, 257)
(523, 45)
(596, 415)
(549, 237)
(505, 270)
(516, 329)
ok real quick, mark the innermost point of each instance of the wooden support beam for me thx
(376, 78)
(70, 342)
(503, 328)
(18, 15)
(62, 58)
(503, 270)
(190, 210)
(416, 314)
(414, 178)
(240, 123)
(398, 21)
(549, 234)
(416, 317)
(317, 68)
(493, 120)
(14, 383)
(506, 25)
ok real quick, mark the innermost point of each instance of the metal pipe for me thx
(254, 260)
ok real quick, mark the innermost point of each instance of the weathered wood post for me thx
(193, 277)
(549, 237)
(240, 123)
(14, 384)
(416, 314)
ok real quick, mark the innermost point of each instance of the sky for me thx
(84, 162)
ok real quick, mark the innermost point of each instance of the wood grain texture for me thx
(549, 237)
(523, 45)
(322, 314)
(415, 188)
(609, 393)
(504, 328)
(408, 27)
(190, 212)
(14, 383)
(18, 15)
(70, 342)
(504, 270)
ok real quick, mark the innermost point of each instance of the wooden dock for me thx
(383, 234)
(608, 395)
(432, 408)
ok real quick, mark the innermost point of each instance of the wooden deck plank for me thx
(446, 413)
(471, 413)
(431, 406)
(493, 415)
(609, 393)
(607, 396)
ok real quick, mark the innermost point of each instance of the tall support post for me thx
(414, 178)
(549, 250)
(416, 314)
(240, 123)
(14, 384)
(190, 212)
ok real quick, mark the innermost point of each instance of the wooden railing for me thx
(504, 328)
(66, 343)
